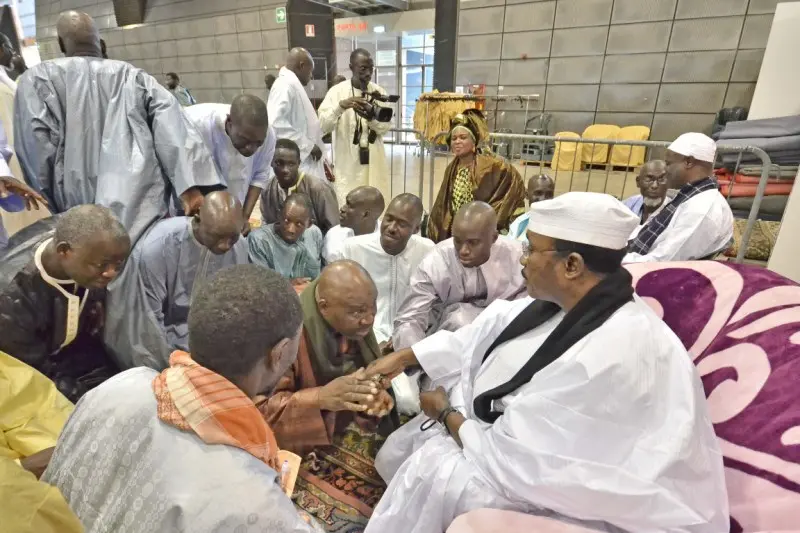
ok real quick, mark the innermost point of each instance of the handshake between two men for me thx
(365, 391)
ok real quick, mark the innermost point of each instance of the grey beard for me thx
(653, 202)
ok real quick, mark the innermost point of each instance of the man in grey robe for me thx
(292, 246)
(288, 179)
(460, 277)
(123, 464)
(147, 311)
(92, 130)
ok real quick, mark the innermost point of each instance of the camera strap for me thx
(359, 125)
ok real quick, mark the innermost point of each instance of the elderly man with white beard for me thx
(580, 405)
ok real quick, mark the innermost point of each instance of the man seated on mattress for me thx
(579, 404)
(697, 223)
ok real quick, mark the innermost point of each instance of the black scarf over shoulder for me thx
(589, 314)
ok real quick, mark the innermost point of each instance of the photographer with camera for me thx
(357, 114)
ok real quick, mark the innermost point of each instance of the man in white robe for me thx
(148, 309)
(359, 156)
(292, 114)
(460, 277)
(580, 405)
(697, 223)
(359, 215)
(390, 257)
(242, 144)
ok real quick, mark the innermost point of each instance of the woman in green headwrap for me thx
(474, 175)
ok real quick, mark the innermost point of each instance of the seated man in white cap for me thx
(581, 404)
(697, 223)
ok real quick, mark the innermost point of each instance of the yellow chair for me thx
(567, 155)
(630, 156)
(597, 154)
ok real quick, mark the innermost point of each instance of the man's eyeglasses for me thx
(527, 251)
(649, 181)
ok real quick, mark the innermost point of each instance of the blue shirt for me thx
(635, 203)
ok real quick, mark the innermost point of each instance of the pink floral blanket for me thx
(741, 324)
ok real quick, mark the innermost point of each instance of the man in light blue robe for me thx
(652, 183)
(242, 144)
(147, 311)
(292, 246)
(90, 130)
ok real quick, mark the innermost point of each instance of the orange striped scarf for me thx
(193, 398)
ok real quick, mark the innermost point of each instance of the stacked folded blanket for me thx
(779, 137)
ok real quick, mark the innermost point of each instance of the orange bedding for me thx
(725, 175)
(748, 190)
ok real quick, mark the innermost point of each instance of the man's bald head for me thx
(219, 223)
(474, 233)
(247, 124)
(78, 35)
(654, 166)
(301, 63)
(541, 187)
(346, 298)
(362, 209)
(478, 214)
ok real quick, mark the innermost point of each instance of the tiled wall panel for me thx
(219, 48)
(666, 64)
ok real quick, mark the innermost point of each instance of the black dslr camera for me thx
(377, 112)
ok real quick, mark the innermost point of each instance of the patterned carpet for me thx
(338, 484)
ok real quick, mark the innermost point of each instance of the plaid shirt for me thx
(658, 223)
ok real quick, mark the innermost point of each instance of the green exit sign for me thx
(280, 15)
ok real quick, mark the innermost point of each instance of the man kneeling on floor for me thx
(53, 280)
(320, 393)
(186, 449)
(581, 404)
(148, 308)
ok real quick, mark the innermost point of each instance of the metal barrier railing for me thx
(404, 147)
(544, 142)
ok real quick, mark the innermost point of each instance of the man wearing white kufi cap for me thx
(697, 223)
(580, 404)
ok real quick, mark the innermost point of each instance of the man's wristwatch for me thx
(442, 418)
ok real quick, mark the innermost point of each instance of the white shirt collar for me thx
(37, 259)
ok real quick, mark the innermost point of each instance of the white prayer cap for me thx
(697, 145)
(585, 217)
